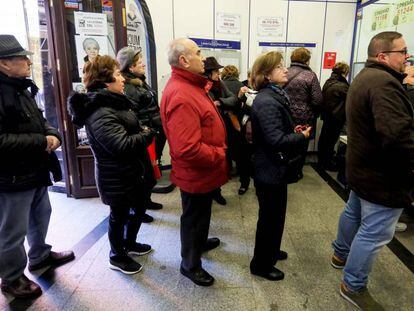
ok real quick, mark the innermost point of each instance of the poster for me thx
(91, 24)
(380, 18)
(270, 26)
(286, 49)
(88, 47)
(404, 12)
(228, 23)
(329, 60)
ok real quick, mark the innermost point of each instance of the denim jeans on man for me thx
(23, 213)
(364, 228)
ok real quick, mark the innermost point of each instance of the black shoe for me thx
(22, 288)
(138, 249)
(282, 255)
(147, 218)
(220, 199)
(300, 175)
(273, 275)
(211, 243)
(154, 206)
(199, 276)
(54, 259)
(124, 264)
(242, 190)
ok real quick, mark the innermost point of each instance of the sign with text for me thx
(380, 18)
(270, 26)
(217, 44)
(329, 60)
(404, 12)
(228, 23)
(91, 24)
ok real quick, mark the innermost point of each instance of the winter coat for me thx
(233, 85)
(380, 149)
(274, 139)
(123, 170)
(195, 133)
(24, 164)
(304, 92)
(410, 93)
(144, 99)
(334, 96)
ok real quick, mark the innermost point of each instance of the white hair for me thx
(176, 48)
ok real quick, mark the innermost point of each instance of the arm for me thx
(316, 95)
(229, 101)
(185, 137)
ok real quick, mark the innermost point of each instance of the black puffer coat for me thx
(334, 97)
(123, 170)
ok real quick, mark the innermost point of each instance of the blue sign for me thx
(288, 44)
(217, 44)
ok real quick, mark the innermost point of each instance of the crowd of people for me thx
(263, 125)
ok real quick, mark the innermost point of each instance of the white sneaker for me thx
(400, 227)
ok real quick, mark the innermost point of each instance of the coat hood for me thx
(81, 106)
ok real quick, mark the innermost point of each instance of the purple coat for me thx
(304, 92)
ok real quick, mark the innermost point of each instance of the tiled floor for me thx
(310, 283)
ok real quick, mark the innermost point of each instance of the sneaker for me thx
(138, 249)
(337, 262)
(124, 264)
(400, 227)
(362, 299)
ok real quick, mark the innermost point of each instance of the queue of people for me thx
(264, 126)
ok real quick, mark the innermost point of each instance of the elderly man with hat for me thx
(27, 144)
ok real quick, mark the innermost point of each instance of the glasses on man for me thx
(403, 52)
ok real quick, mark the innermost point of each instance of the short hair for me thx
(89, 41)
(176, 48)
(383, 41)
(263, 65)
(300, 55)
(229, 71)
(99, 71)
(341, 68)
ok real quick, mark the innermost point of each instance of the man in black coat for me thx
(27, 145)
(380, 164)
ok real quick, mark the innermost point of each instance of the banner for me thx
(404, 12)
(380, 18)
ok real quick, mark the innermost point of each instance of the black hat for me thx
(10, 47)
(211, 63)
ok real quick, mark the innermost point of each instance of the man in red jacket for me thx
(197, 138)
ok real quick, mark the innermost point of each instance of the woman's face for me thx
(118, 85)
(92, 50)
(138, 68)
(278, 75)
(215, 75)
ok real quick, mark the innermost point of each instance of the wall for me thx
(328, 24)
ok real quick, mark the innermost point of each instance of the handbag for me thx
(293, 166)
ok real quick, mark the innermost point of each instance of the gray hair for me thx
(176, 48)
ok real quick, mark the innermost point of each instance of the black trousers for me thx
(270, 225)
(160, 143)
(195, 223)
(124, 224)
(330, 132)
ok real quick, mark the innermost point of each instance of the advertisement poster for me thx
(88, 47)
(329, 60)
(380, 18)
(228, 23)
(94, 24)
(270, 26)
(404, 12)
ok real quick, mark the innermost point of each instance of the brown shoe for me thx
(54, 259)
(361, 299)
(22, 288)
(337, 262)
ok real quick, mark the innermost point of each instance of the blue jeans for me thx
(364, 228)
(23, 213)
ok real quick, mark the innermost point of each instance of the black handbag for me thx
(293, 166)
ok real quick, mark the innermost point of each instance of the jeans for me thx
(23, 213)
(364, 228)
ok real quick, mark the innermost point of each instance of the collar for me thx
(304, 66)
(192, 78)
(377, 65)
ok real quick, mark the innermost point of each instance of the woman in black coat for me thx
(333, 114)
(123, 171)
(276, 160)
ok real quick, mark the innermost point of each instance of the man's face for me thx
(397, 57)
(194, 59)
(17, 67)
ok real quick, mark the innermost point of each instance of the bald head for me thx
(186, 54)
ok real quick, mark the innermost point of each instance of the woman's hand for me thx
(243, 90)
(307, 131)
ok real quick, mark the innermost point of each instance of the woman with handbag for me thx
(276, 161)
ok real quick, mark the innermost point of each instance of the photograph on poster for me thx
(88, 47)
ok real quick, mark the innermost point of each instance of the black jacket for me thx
(380, 126)
(144, 100)
(334, 97)
(123, 170)
(24, 164)
(273, 136)
(410, 92)
(233, 85)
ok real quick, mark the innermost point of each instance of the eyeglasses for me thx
(402, 52)
(280, 66)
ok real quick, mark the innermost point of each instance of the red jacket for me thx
(196, 133)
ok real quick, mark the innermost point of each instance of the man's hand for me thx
(52, 143)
